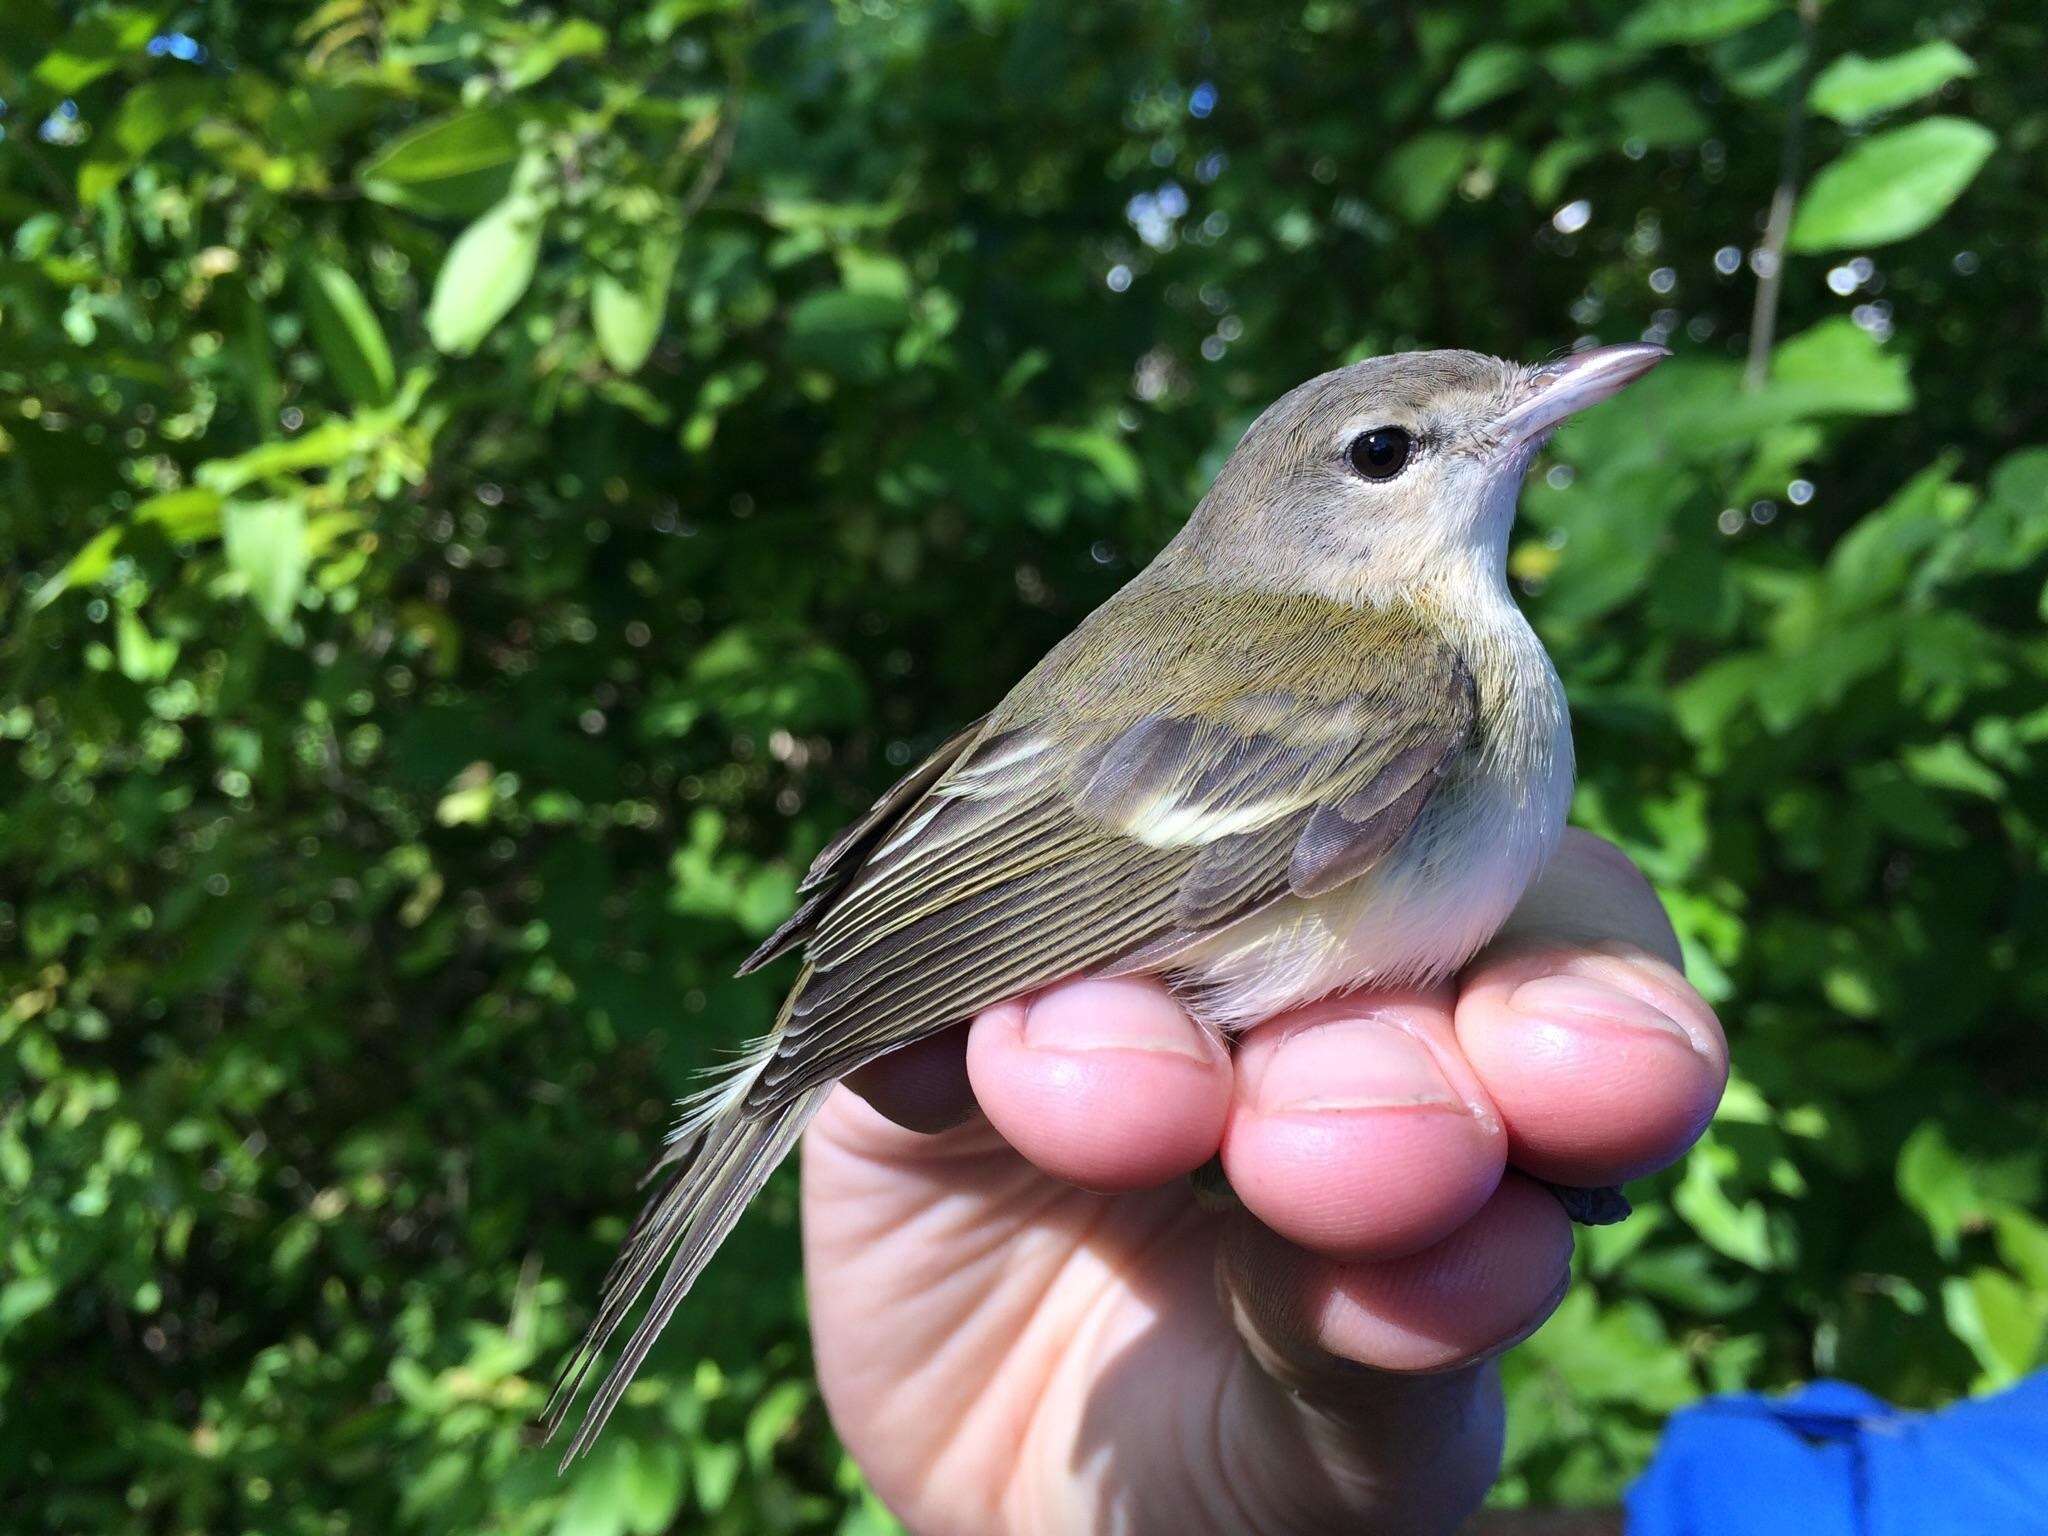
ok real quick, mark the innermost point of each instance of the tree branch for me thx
(1769, 259)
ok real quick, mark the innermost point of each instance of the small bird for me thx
(1313, 746)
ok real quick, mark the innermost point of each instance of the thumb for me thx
(1352, 1364)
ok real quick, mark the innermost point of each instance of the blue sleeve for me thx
(1831, 1460)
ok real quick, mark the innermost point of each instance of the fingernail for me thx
(1571, 999)
(1352, 1064)
(1112, 1016)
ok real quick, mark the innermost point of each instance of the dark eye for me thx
(1381, 453)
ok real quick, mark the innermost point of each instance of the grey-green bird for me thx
(1313, 746)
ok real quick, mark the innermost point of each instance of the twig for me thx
(1770, 256)
(719, 155)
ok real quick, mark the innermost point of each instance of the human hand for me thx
(1027, 1325)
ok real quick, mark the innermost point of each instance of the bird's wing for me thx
(840, 859)
(1205, 755)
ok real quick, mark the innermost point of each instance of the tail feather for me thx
(721, 1161)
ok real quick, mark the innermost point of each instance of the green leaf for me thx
(23, 1298)
(96, 44)
(600, 1499)
(626, 315)
(837, 311)
(456, 165)
(322, 448)
(81, 570)
(2011, 530)
(1955, 1194)
(1580, 61)
(1118, 466)
(845, 333)
(1615, 1354)
(1837, 368)
(147, 115)
(772, 1420)
(1854, 88)
(183, 515)
(1875, 559)
(2023, 1244)
(1950, 765)
(2004, 1324)
(1762, 60)
(1738, 1227)
(487, 270)
(1692, 21)
(1555, 162)
(345, 329)
(654, 1488)
(1892, 186)
(142, 657)
(765, 898)
(1658, 114)
(1419, 177)
(1487, 73)
(572, 39)
(266, 546)
(193, 513)
(714, 1468)
(666, 15)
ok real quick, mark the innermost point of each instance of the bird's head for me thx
(1395, 473)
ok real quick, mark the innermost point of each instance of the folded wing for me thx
(1222, 752)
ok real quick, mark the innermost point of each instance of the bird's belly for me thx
(1417, 916)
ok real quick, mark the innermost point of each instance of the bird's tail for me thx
(711, 1169)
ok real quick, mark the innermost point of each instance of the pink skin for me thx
(1026, 1325)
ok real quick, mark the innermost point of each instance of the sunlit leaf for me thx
(2004, 1323)
(575, 38)
(82, 569)
(1692, 21)
(100, 41)
(773, 1418)
(1955, 1193)
(455, 165)
(142, 657)
(266, 546)
(1837, 367)
(1854, 88)
(182, 515)
(1486, 74)
(626, 313)
(1891, 186)
(487, 269)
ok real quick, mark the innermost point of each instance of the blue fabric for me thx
(1831, 1460)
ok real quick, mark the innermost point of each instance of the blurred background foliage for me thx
(489, 487)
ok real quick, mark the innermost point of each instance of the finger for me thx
(923, 1086)
(1604, 1063)
(1381, 1368)
(1312, 1320)
(1105, 1084)
(1358, 1130)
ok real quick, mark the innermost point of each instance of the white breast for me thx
(1446, 890)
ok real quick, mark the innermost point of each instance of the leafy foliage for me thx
(494, 487)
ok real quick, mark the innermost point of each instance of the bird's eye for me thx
(1381, 453)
